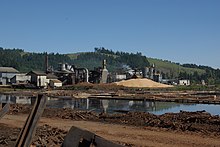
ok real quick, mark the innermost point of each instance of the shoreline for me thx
(195, 97)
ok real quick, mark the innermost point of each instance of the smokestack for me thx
(104, 64)
(46, 62)
(104, 75)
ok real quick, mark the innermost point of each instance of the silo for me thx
(63, 67)
(146, 72)
(151, 73)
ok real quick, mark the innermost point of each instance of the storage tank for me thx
(146, 72)
(62, 67)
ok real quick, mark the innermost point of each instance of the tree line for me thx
(211, 75)
(24, 61)
(134, 60)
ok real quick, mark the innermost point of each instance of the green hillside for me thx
(167, 67)
(74, 56)
(170, 67)
(115, 61)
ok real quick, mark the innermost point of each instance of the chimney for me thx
(46, 63)
(104, 64)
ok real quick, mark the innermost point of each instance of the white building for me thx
(55, 83)
(42, 80)
(20, 78)
(184, 82)
(119, 77)
(39, 78)
(6, 73)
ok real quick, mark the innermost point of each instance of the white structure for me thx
(151, 73)
(55, 83)
(20, 78)
(104, 74)
(6, 73)
(119, 77)
(39, 78)
(203, 82)
(184, 82)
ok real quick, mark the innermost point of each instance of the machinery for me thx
(69, 74)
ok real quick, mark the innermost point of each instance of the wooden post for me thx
(5, 108)
(28, 131)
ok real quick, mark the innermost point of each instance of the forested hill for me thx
(116, 61)
(24, 61)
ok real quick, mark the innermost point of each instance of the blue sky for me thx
(184, 31)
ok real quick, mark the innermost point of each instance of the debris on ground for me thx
(48, 136)
(45, 136)
(200, 121)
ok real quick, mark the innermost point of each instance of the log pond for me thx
(114, 105)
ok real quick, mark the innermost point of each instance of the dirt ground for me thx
(131, 129)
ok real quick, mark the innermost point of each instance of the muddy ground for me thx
(196, 123)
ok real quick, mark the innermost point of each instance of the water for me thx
(115, 106)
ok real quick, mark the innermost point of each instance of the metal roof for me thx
(39, 73)
(8, 70)
(55, 81)
(51, 76)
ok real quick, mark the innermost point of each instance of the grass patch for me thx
(197, 88)
(171, 67)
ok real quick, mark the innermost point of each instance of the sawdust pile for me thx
(142, 83)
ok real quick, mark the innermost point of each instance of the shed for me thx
(6, 73)
(184, 82)
(118, 77)
(55, 83)
(20, 78)
(38, 78)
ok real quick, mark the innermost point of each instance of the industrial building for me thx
(66, 75)
(70, 75)
(41, 79)
(151, 73)
(6, 73)
(55, 83)
(20, 78)
(38, 78)
(118, 77)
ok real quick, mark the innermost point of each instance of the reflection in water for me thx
(17, 99)
(105, 105)
(113, 106)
